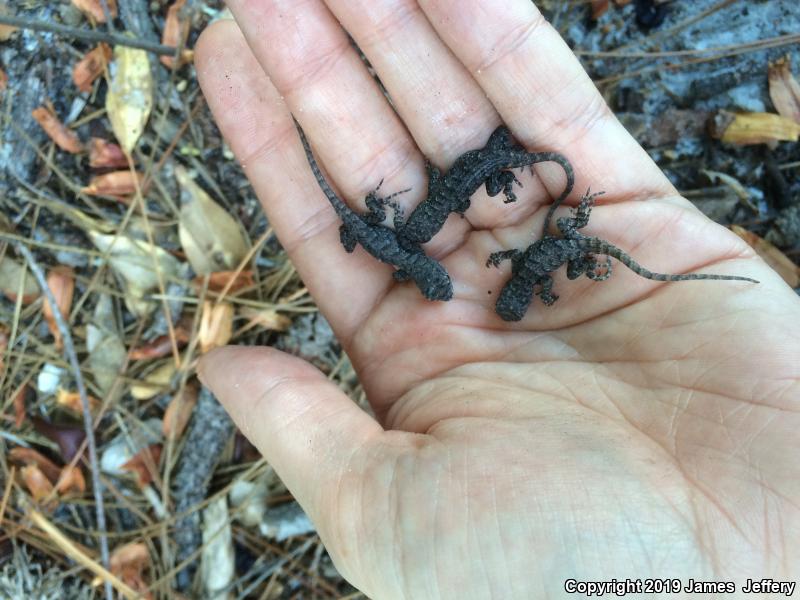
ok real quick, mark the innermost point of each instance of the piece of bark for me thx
(209, 432)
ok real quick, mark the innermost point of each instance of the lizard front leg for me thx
(376, 207)
(495, 258)
(546, 291)
(502, 181)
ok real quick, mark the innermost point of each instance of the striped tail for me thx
(598, 246)
(570, 173)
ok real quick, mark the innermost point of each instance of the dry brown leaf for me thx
(94, 9)
(134, 261)
(155, 382)
(64, 138)
(176, 32)
(209, 235)
(599, 8)
(219, 280)
(61, 281)
(106, 350)
(776, 259)
(106, 155)
(28, 456)
(117, 184)
(130, 95)
(71, 482)
(744, 129)
(91, 66)
(3, 81)
(179, 411)
(142, 462)
(19, 398)
(784, 90)
(68, 438)
(162, 345)
(38, 485)
(216, 325)
(11, 275)
(130, 562)
(71, 401)
(267, 318)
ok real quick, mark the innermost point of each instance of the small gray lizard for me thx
(381, 241)
(489, 166)
(532, 266)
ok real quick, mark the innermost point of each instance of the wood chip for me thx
(38, 485)
(91, 66)
(64, 138)
(176, 32)
(130, 562)
(743, 129)
(29, 456)
(144, 464)
(117, 184)
(599, 8)
(771, 255)
(61, 281)
(106, 155)
(216, 325)
(233, 281)
(179, 411)
(784, 90)
(71, 482)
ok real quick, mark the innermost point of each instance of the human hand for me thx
(633, 429)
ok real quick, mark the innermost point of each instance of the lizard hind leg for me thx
(546, 291)
(348, 240)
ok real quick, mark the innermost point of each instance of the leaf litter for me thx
(125, 184)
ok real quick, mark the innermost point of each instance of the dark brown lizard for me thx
(532, 267)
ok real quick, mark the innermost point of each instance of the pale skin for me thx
(633, 429)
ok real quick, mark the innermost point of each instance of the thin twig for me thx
(88, 35)
(109, 18)
(76, 554)
(72, 357)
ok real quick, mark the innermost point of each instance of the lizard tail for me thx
(599, 246)
(570, 173)
(338, 204)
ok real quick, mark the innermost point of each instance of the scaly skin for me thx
(533, 266)
(490, 166)
(382, 242)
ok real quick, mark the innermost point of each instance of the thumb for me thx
(305, 427)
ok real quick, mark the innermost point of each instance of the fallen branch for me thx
(88, 35)
(72, 357)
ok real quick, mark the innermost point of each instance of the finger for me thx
(542, 92)
(304, 426)
(258, 126)
(445, 110)
(312, 64)
(438, 100)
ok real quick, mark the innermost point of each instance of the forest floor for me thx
(145, 286)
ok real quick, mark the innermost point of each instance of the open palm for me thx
(633, 429)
